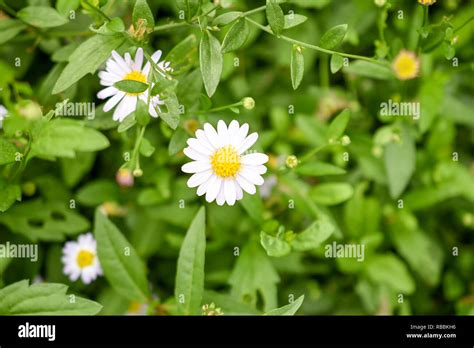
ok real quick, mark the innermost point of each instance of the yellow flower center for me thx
(135, 75)
(85, 258)
(226, 161)
(406, 65)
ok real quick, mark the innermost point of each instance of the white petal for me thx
(196, 167)
(229, 190)
(213, 189)
(121, 63)
(114, 68)
(212, 135)
(245, 185)
(259, 169)
(113, 101)
(124, 109)
(107, 76)
(107, 92)
(238, 191)
(251, 176)
(201, 136)
(198, 146)
(156, 56)
(137, 65)
(233, 131)
(202, 189)
(195, 155)
(128, 59)
(146, 69)
(238, 138)
(248, 142)
(223, 133)
(220, 199)
(199, 178)
(254, 159)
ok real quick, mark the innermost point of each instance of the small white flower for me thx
(119, 69)
(80, 259)
(221, 171)
(3, 115)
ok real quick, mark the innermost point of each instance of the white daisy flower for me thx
(3, 115)
(119, 69)
(220, 169)
(80, 259)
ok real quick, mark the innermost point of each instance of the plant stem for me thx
(97, 10)
(170, 26)
(255, 10)
(324, 71)
(220, 108)
(135, 158)
(314, 47)
(463, 25)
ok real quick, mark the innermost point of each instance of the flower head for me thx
(427, 2)
(120, 69)
(406, 65)
(220, 168)
(80, 259)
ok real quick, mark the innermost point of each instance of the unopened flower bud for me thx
(137, 172)
(124, 177)
(249, 103)
(345, 140)
(291, 161)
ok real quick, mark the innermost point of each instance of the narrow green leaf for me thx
(141, 10)
(131, 86)
(331, 193)
(275, 17)
(338, 125)
(190, 272)
(41, 16)
(9, 28)
(183, 56)
(226, 18)
(297, 66)
(370, 70)
(333, 37)
(190, 7)
(211, 62)
(122, 266)
(289, 309)
(236, 36)
(337, 63)
(292, 20)
(319, 169)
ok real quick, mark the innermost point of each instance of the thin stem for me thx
(255, 10)
(135, 158)
(97, 10)
(463, 25)
(220, 108)
(314, 47)
(8, 9)
(170, 26)
(212, 9)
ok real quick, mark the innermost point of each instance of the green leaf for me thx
(331, 193)
(319, 169)
(228, 304)
(177, 142)
(253, 206)
(183, 56)
(211, 62)
(369, 69)
(61, 138)
(74, 169)
(143, 11)
(7, 152)
(127, 123)
(275, 17)
(8, 195)
(292, 20)
(65, 7)
(122, 267)
(289, 309)
(86, 59)
(172, 114)
(236, 36)
(389, 270)
(338, 125)
(297, 66)
(131, 86)
(9, 28)
(97, 192)
(146, 149)
(400, 160)
(41, 16)
(333, 37)
(313, 236)
(226, 18)
(190, 7)
(254, 274)
(337, 63)
(190, 272)
(274, 246)
(43, 299)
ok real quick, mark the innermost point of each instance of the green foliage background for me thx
(266, 251)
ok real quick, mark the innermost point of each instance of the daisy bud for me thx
(248, 103)
(211, 310)
(291, 161)
(427, 2)
(345, 140)
(124, 177)
(137, 172)
(406, 65)
(380, 3)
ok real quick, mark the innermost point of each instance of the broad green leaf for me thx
(333, 37)
(274, 246)
(236, 36)
(122, 266)
(292, 20)
(211, 62)
(9, 28)
(331, 193)
(297, 66)
(400, 160)
(43, 299)
(61, 138)
(190, 271)
(141, 10)
(74, 169)
(170, 112)
(338, 125)
(177, 142)
(275, 17)
(131, 86)
(313, 236)
(146, 148)
(389, 270)
(41, 16)
(7, 152)
(254, 274)
(190, 7)
(369, 69)
(65, 7)
(319, 169)
(86, 59)
(226, 18)
(253, 206)
(97, 192)
(289, 309)
(8, 195)
(183, 56)
(48, 221)
(337, 63)
(142, 114)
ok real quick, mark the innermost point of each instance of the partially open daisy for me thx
(119, 69)
(406, 65)
(220, 168)
(80, 259)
